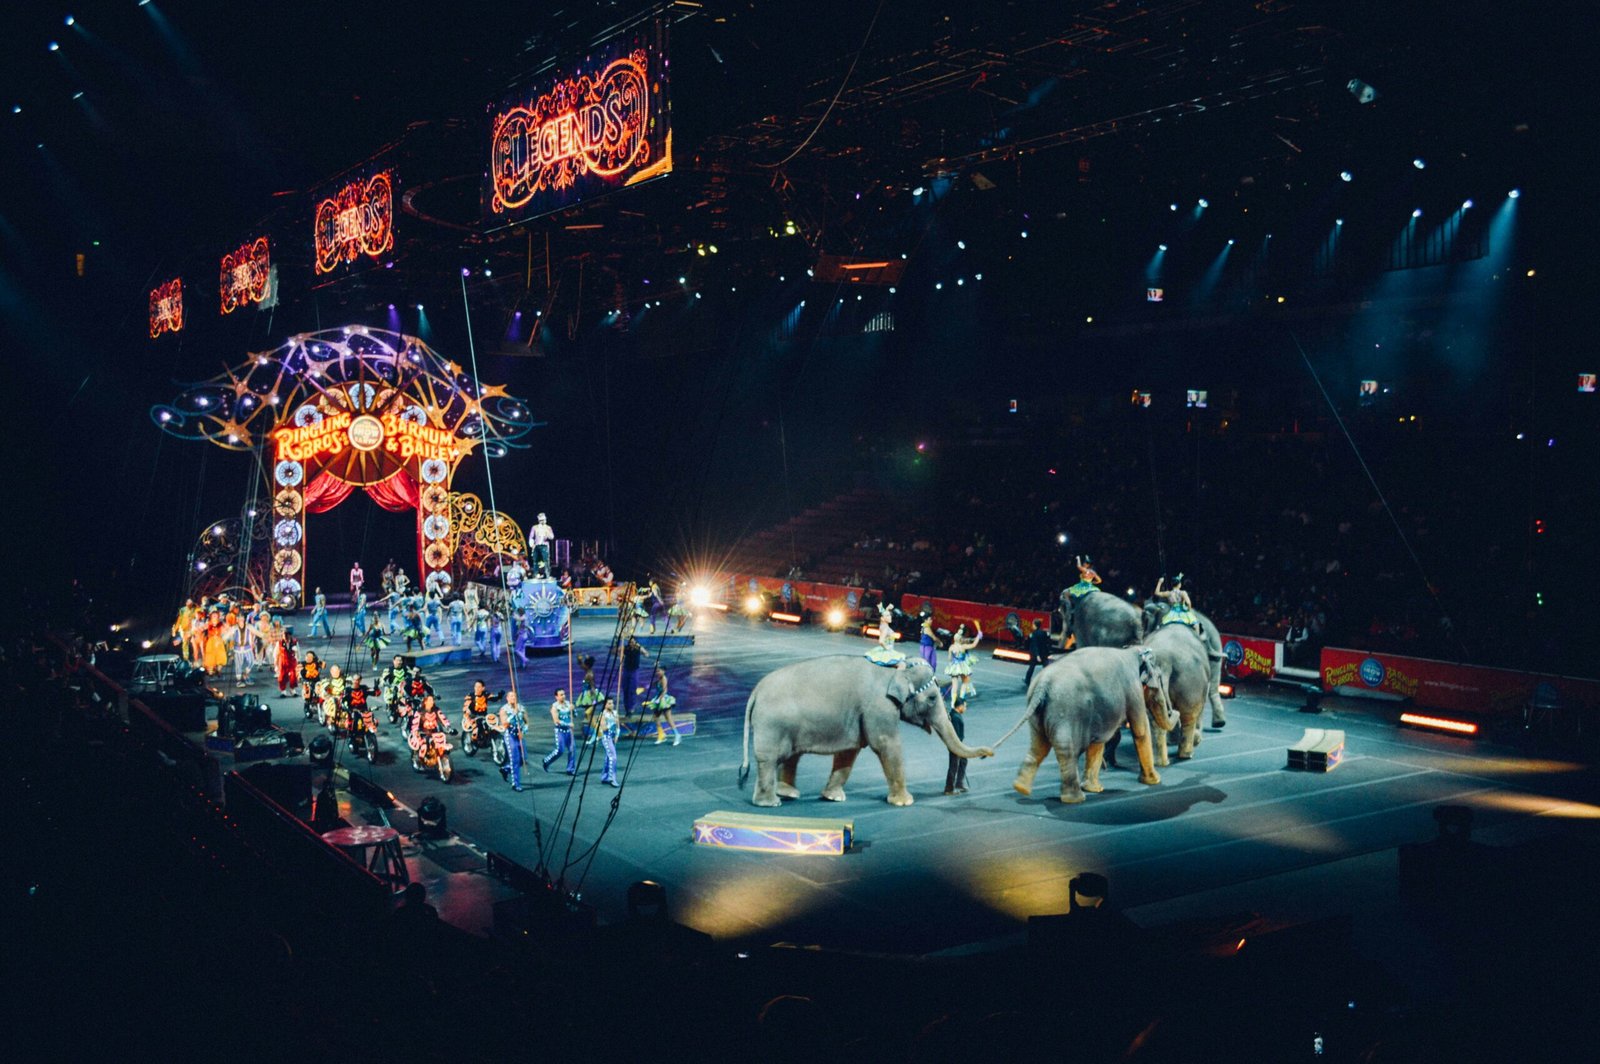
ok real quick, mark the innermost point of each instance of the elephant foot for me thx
(1219, 723)
(1149, 778)
(833, 796)
(1071, 797)
(769, 801)
(788, 790)
(1093, 788)
(901, 799)
(1024, 789)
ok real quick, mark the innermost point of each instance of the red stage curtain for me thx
(326, 492)
(399, 492)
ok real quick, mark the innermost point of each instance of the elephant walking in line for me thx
(838, 705)
(1210, 638)
(1100, 619)
(1078, 703)
(1181, 660)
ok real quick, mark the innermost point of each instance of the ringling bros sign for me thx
(166, 307)
(1469, 689)
(572, 135)
(398, 438)
(357, 220)
(246, 275)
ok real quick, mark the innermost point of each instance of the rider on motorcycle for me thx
(392, 681)
(425, 722)
(475, 721)
(332, 692)
(310, 677)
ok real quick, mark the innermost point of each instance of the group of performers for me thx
(216, 633)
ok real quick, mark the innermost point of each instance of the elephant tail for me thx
(744, 765)
(1035, 709)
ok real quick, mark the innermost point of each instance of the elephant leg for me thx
(894, 770)
(1091, 768)
(1147, 771)
(1189, 731)
(1219, 716)
(786, 770)
(1067, 758)
(843, 762)
(1158, 744)
(766, 782)
(1039, 747)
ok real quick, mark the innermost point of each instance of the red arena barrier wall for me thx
(1244, 657)
(1471, 689)
(947, 613)
(812, 594)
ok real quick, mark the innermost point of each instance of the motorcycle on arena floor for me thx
(364, 735)
(431, 753)
(480, 730)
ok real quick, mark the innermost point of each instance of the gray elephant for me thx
(1155, 613)
(1181, 659)
(1100, 619)
(838, 705)
(1081, 701)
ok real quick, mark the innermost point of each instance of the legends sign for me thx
(356, 220)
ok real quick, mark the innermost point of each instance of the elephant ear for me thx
(900, 686)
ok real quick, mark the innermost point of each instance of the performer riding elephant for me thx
(1095, 618)
(838, 705)
(1172, 607)
(1081, 701)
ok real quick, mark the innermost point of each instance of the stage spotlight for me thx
(1204, 203)
(1024, 234)
(16, 108)
(1346, 175)
(1172, 207)
(1417, 213)
(977, 277)
(1061, 538)
(1338, 221)
(699, 596)
(419, 306)
(147, 644)
(1363, 92)
(1466, 205)
(1161, 247)
(683, 280)
(1514, 193)
(836, 618)
(1230, 242)
(891, 289)
(961, 280)
(69, 20)
(78, 95)
(1418, 163)
(752, 604)
(919, 190)
(938, 286)
(432, 818)
(962, 244)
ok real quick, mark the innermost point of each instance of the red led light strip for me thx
(1460, 727)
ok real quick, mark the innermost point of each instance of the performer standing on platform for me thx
(610, 728)
(243, 637)
(181, 626)
(630, 670)
(1039, 647)
(497, 637)
(660, 704)
(930, 648)
(402, 583)
(413, 626)
(513, 722)
(540, 536)
(469, 595)
(480, 633)
(519, 636)
(431, 610)
(375, 640)
(561, 717)
(960, 668)
(358, 580)
(216, 647)
(319, 615)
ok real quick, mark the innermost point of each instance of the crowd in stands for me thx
(1282, 537)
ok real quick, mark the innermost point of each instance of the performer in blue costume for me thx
(960, 668)
(393, 599)
(561, 717)
(319, 615)
(519, 635)
(513, 722)
(358, 618)
(610, 728)
(497, 637)
(432, 607)
(480, 633)
(458, 619)
(930, 649)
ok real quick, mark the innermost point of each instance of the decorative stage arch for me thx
(354, 408)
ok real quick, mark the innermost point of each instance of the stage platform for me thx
(1233, 830)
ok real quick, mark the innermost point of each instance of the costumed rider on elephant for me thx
(1088, 579)
(885, 653)
(1172, 606)
(1180, 610)
(1093, 618)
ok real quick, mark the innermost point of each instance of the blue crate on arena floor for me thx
(807, 836)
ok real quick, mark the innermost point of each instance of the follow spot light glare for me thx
(752, 604)
(699, 597)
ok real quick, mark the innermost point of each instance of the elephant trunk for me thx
(947, 734)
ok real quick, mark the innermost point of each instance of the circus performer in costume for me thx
(513, 723)
(413, 626)
(929, 645)
(181, 627)
(540, 536)
(288, 666)
(1181, 609)
(393, 620)
(432, 608)
(215, 655)
(310, 677)
(885, 653)
(497, 637)
(480, 633)
(960, 668)
(514, 575)
(319, 615)
(678, 615)
(375, 640)
(458, 620)
(331, 692)
(519, 635)
(196, 636)
(955, 775)
(243, 638)
(610, 728)
(402, 582)
(561, 717)
(1087, 579)
(588, 699)
(358, 616)
(358, 580)
(660, 704)
(469, 595)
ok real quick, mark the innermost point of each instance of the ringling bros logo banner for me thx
(400, 439)
(166, 307)
(356, 220)
(1244, 656)
(246, 275)
(1468, 689)
(582, 132)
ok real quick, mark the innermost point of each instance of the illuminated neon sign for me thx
(356, 220)
(407, 440)
(166, 307)
(602, 126)
(301, 443)
(401, 439)
(246, 273)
